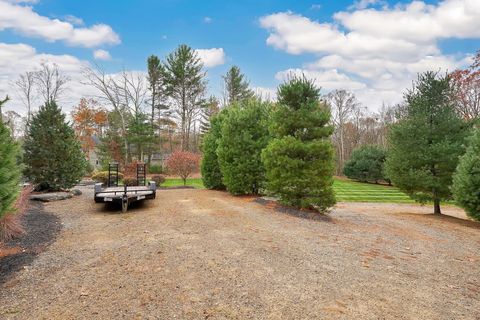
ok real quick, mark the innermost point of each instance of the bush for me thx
(366, 164)
(466, 181)
(102, 176)
(244, 134)
(155, 169)
(9, 173)
(299, 160)
(130, 181)
(89, 169)
(183, 164)
(53, 156)
(158, 179)
(211, 174)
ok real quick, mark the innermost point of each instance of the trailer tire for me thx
(124, 205)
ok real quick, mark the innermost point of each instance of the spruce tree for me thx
(466, 181)
(9, 172)
(211, 174)
(426, 143)
(244, 135)
(53, 156)
(299, 160)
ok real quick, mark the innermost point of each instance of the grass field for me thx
(196, 183)
(345, 190)
(352, 191)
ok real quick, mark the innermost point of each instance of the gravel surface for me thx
(199, 254)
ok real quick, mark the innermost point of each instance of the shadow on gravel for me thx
(444, 219)
(41, 229)
(304, 214)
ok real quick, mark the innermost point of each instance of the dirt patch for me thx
(41, 229)
(196, 254)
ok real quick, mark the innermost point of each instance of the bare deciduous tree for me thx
(26, 86)
(343, 105)
(50, 82)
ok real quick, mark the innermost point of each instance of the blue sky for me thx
(364, 46)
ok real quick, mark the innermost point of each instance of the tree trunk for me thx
(436, 206)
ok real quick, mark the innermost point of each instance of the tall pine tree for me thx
(236, 86)
(53, 156)
(9, 172)
(426, 144)
(299, 160)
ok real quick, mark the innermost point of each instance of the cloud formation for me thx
(375, 52)
(102, 55)
(21, 18)
(211, 57)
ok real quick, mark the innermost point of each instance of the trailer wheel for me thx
(124, 206)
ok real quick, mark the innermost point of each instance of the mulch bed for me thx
(299, 213)
(41, 229)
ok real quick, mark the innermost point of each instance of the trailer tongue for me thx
(125, 195)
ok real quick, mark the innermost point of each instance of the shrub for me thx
(466, 181)
(155, 169)
(53, 156)
(183, 164)
(366, 164)
(158, 179)
(130, 181)
(211, 173)
(102, 176)
(9, 173)
(89, 169)
(10, 224)
(299, 160)
(244, 134)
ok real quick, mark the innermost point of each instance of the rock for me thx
(51, 196)
(76, 192)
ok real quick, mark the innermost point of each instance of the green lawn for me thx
(193, 182)
(345, 190)
(352, 191)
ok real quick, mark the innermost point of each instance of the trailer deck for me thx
(125, 195)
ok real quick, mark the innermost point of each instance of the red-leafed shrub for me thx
(183, 164)
(130, 181)
(159, 179)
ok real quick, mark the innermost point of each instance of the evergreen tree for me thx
(9, 172)
(236, 86)
(299, 160)
(244, 135)
(426, 143)
(53, 156)
(211, 174)
(210, 109)
(141, 135)
(185, 85)
(466, 181)
(366, 164)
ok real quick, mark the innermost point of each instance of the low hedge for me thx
(102, 176)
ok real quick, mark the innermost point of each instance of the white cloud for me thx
(375, 52)
(22, 19)
(15, 59)
(211, 57)
(269, 94)
(328, 80)
(76, 21)
(207, 20)
(102, 55)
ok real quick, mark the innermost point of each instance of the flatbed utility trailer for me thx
(125, 195)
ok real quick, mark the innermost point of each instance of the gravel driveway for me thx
(199, 254)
